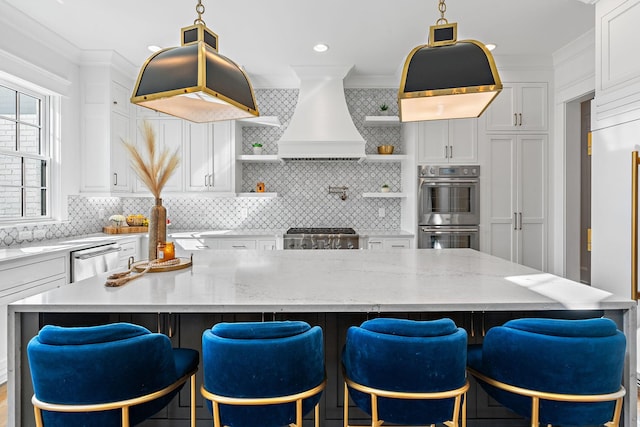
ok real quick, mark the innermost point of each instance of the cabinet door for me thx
(518, 198)
(121, 172)
(519, 107)
(502, 113)
(502, 195)
(223, 161)
(532, 201)
(433, 140)
(533, 106)
(463, 141)
(198, 140)
(168, 133)
(209, 157)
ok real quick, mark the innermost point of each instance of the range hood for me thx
(321, 127)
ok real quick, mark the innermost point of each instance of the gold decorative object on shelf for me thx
(385, 149)
(154, 168)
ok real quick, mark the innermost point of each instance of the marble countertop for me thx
(65, 244)
(331, 281)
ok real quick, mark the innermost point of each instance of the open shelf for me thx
(261, 121)
(258, 195)
(379, 158)
(390, 195)
(260, 158)
(381, 121)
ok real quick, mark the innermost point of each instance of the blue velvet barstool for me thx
(269, 374)
(104, 376)
(554, 371)
(406, 372)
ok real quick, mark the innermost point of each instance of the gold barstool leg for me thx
(125, 416)
(345, 407)
(535, 408)
(316, 415)
(38, 415)
(193, 400)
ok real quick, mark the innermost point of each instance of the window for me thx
(24, 155)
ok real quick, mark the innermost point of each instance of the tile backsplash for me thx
(302, 187)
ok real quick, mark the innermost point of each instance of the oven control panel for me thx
(458, 171)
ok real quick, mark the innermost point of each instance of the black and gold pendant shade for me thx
(447, 79)
(195, 82)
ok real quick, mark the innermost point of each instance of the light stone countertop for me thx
(64, 244)
(385, 233)
(332, 281)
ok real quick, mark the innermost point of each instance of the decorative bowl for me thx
(385, 149)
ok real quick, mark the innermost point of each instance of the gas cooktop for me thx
(321, 230)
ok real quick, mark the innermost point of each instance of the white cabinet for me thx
(121, 173)
(168, 134)
(186, 246)
(105, 112)
(515, 188)
(23, 278)
(387, 243)
(128, 249)
(448, 141)
(519, 107)
(209, 157)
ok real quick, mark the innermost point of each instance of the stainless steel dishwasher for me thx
(92, 261)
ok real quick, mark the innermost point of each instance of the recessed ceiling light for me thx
(321, 47)
(153, 48)
(490, 46)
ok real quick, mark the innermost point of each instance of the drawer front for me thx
(237, 244)
(397, 244)
(33, 271)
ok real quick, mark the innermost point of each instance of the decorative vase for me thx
(157, 228)
(257, 150)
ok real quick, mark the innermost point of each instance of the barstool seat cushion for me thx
(262, 359)
(106, 363)
(584, 356)
(406, 356)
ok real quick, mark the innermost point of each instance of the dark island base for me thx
(185, 330)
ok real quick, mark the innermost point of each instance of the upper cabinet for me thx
(105, 122)
(168, 135)
(209, 156)
(519, 107)
(448, 141)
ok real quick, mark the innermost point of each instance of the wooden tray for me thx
(109, 229)
(142, 265)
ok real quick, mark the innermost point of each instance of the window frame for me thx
(46, 155)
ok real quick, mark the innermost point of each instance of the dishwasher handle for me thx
(93, 254)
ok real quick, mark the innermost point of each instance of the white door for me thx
(199, 142)
(433, 140)
(463, 141)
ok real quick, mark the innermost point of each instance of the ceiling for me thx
(266, 37)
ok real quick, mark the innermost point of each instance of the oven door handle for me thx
(448, 230)
(457, 182)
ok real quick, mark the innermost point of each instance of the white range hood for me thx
(321, 127)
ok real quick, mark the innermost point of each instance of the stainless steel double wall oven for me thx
(448, 206)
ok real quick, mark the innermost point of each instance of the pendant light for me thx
(447, 78)
(194, 81)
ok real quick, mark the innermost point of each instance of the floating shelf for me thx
(381, 121)
(379, 158)
(260, 158)
(390, 195)
(261, 121)
(258, 195)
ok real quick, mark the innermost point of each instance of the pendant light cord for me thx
(442, 7)
(200, 11)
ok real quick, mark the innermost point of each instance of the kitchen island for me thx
(334, 289)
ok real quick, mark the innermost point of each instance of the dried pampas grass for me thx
(154, 169)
